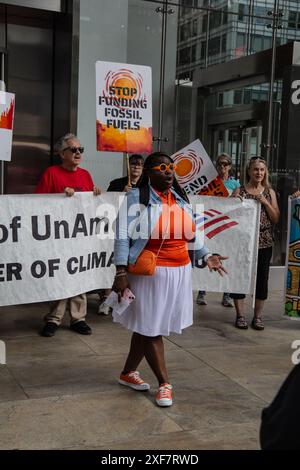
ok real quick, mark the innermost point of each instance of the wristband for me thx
(205, 257)
(121, 274)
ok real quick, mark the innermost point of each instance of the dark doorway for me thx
(29, 74)
(39, 57)
(238, 140)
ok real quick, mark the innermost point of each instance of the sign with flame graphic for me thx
(7, 107)
(196, 173)
(124, 107)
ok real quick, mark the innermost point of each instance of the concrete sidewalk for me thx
(61, 392)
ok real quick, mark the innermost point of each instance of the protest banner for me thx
(292, 287)
(231, 228)
(53, 247)
(124, 107)
(7, 107)
(195, 171)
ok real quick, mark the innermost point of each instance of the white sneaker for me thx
(103, 309)
(226, 301)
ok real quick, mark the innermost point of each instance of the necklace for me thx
(254, 191)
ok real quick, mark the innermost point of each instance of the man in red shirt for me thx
(67, 178)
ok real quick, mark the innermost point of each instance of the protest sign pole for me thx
(128, 169)
(256, 256)
(165, 11)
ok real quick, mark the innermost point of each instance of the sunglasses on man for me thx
(74, 149)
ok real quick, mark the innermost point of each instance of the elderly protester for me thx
(67, 178)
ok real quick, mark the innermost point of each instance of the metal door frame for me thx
(65, 27)
(3, 78)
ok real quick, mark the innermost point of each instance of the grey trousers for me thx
(76, 306)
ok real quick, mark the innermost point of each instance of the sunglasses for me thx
(75, 149)
(257, 158)
(164, 167)
(223, 164)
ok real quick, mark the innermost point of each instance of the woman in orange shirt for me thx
(164, 301)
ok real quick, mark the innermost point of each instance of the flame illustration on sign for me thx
(7, 117)
(124, 78)
(109, 139)
(188, 166)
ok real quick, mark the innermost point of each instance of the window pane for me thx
(214, 46)
(292, 19)
(238, 95)
(241, 11)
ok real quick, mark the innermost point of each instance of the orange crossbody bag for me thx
(145, 265)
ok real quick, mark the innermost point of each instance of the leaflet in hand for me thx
(120, 307)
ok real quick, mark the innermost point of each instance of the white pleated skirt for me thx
(163, 302)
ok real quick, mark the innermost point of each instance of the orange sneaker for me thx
(133, 380)
(164, 395)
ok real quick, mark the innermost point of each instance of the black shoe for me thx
(49, 329)
(81, 327)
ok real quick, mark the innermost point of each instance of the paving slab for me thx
(243, 436)
(95, 419)
(10, 389)
(62, 392)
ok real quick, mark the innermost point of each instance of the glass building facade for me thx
(211, 62)
(234, 119)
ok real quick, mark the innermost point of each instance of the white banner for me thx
(123, 107)
(231, 228)
(7, 108)
(53, 247)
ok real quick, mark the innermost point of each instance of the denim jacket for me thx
(134, 227)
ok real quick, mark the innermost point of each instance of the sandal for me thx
(257, 323)
(241, 323)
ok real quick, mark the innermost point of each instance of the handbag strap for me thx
(166, 231)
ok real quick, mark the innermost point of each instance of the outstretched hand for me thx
(214, 263)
